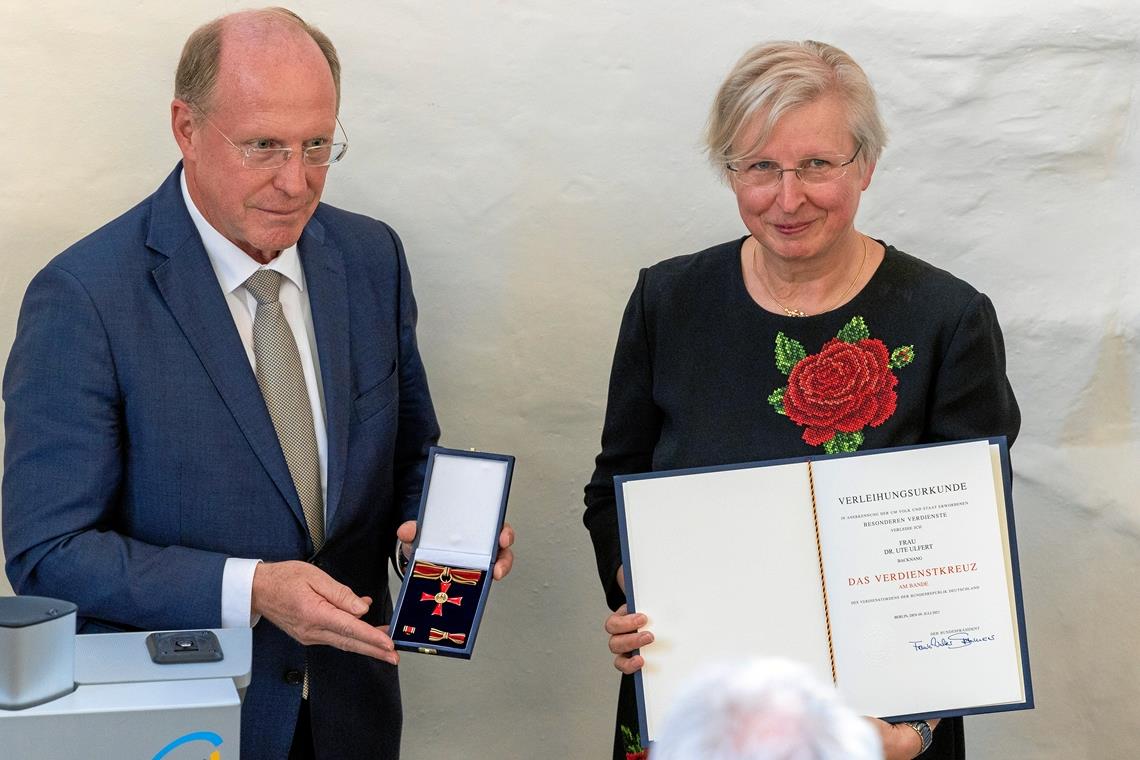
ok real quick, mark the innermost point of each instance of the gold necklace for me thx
(796, 312)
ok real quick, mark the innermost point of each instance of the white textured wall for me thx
(534, 154)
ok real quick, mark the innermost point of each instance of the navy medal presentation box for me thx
(449, 574)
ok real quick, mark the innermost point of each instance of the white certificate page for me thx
(724, 565)
(919, 584)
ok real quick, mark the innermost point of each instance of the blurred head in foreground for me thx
(766, 709)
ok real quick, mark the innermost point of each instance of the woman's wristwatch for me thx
(925, 735)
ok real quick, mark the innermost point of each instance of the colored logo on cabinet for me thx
(208, 739)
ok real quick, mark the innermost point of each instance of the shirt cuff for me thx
(237, 593)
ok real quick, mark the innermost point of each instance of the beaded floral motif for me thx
(834, 394)
(632, 741)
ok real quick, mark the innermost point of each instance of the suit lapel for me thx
(328, 302)
(190, 288)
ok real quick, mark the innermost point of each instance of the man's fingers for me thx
(351, 643)
(407, 531)
(339, 595)
(506, 557)
(292, 590)
(340, 629)
(507, 537)
(503, 564)
(310, 606)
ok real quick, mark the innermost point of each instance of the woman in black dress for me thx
(805, 336)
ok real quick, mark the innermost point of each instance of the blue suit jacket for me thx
(140, 455)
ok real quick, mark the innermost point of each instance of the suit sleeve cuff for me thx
(237, 593)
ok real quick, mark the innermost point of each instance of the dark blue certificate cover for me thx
(893, 573)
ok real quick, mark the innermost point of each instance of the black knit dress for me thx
(703, 376)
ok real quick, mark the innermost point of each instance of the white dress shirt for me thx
(232, 266)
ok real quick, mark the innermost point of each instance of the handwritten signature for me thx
(953, 641)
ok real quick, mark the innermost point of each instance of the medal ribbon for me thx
(456, 638)
(435, 572)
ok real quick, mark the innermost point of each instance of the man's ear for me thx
(183, 126)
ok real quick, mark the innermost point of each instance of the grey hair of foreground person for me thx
(776, 77)
(770, 709)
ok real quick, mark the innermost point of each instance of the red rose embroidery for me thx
(835, 393)
(843, 388)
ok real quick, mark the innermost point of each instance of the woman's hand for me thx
(625, 637)
(900, 741)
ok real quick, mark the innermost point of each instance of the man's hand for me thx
(503, 563)
(306, 603)
(625, 637)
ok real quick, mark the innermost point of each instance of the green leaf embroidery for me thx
(854, 331)
(901, 356)
(789, 352)
(844, 442)
(631, 740)
(777, 400)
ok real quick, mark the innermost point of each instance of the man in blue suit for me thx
(150, 474)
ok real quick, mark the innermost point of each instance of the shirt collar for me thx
(231, 264)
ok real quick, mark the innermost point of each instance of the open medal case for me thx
(448, 576)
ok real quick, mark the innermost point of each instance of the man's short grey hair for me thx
(775, 77)
(769, 709)
(197, 73)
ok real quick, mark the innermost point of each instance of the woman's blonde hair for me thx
(775, 77)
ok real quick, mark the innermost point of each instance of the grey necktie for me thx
(283, 384)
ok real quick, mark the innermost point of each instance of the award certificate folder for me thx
(445, 586)
(891, 573)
